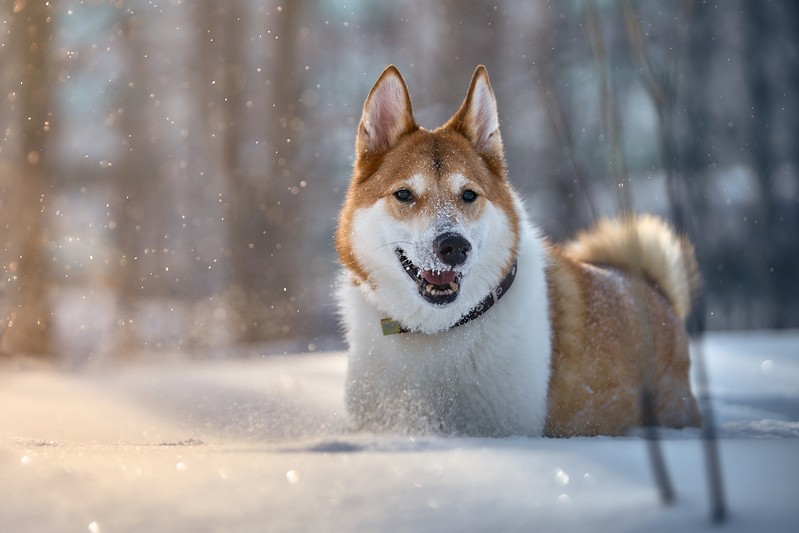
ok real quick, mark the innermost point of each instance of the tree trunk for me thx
(29, 327)
(763, 156)
(265, 216)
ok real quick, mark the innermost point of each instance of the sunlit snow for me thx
(263, 445)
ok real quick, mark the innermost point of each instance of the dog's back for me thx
(618, 298)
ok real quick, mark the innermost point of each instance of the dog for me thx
(462, 319)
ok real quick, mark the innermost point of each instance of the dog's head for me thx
(430, 224)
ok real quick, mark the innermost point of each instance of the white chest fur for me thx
(488, 377)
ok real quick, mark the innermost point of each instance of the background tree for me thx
(171, 174)
(28, 183)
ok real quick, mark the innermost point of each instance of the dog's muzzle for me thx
(439, 287)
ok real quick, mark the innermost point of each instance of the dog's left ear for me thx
(477, 118)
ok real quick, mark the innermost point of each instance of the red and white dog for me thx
(462, 319)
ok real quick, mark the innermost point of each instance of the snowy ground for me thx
(263, 445)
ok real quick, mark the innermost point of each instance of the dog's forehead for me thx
(453, 182)
(440, 157)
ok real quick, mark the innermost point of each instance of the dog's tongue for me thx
(439, 278)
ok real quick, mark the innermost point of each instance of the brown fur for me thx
(642, 243)
(609, 339)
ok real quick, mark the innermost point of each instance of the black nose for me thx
(452, 249)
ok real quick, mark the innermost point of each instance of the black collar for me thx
(392, 327)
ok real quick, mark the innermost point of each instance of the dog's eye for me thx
(403, 195)
(469, 196)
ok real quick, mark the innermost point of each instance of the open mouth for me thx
(439, 287)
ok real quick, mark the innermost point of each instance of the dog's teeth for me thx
(437, 290)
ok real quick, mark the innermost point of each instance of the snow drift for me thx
(263, 445)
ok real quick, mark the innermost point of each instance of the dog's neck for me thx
(392, 327)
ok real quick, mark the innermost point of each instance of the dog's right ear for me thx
(387, 114)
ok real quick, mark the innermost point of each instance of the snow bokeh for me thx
(264, 445)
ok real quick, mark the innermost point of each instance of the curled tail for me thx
(646, 244)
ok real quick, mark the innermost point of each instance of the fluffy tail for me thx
(646, 244)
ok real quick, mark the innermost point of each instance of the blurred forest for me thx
(171, 171)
